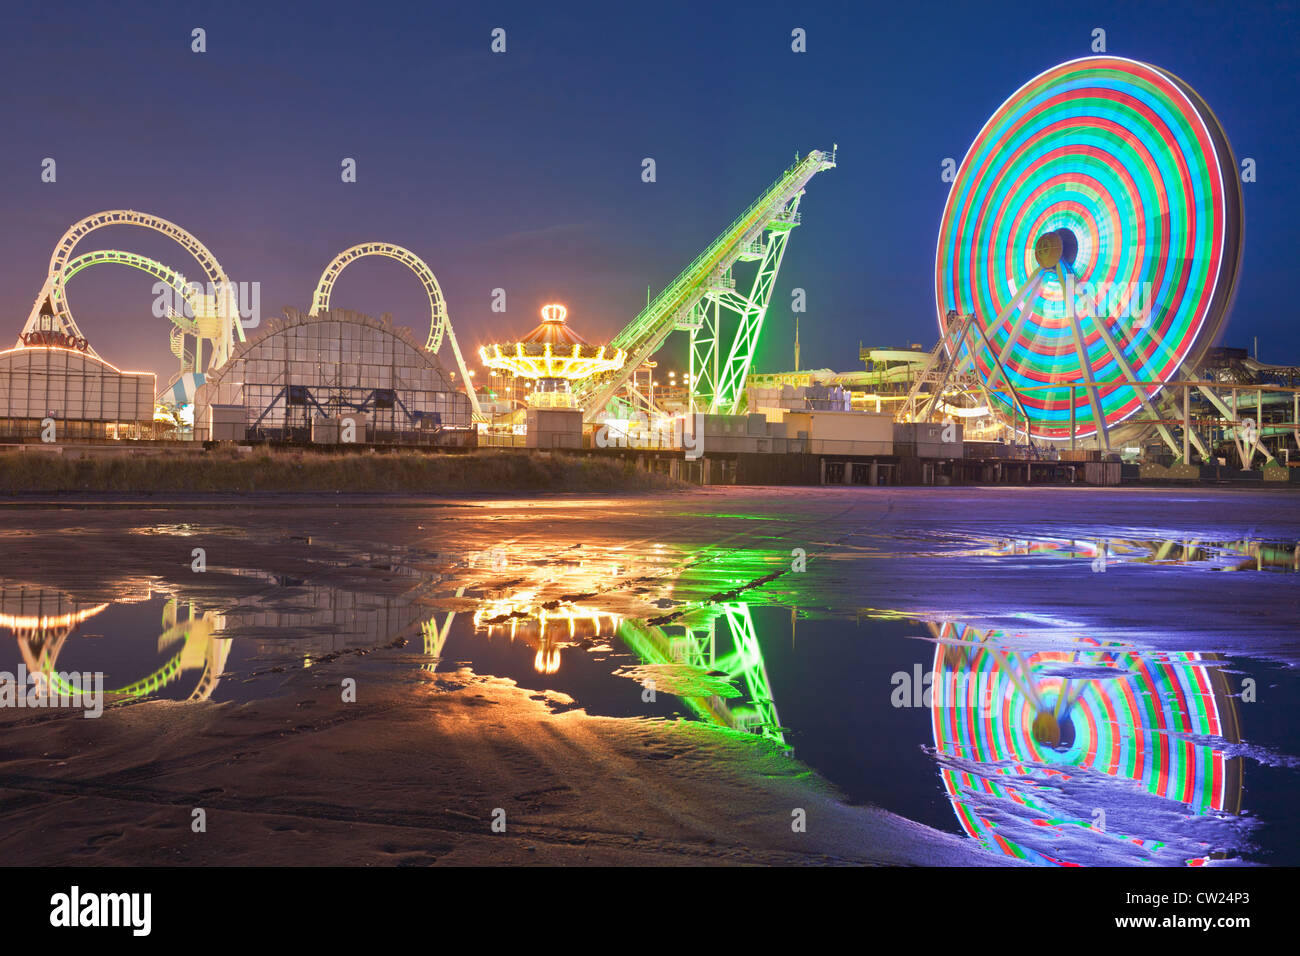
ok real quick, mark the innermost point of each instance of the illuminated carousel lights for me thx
(553, 351)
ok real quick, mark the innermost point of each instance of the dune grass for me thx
(309, 471)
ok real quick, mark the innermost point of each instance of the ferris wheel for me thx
(1093, 234)
(1029, 744)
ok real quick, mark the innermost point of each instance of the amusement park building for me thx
(85, 396)
(305, 373)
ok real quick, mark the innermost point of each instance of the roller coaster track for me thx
(439, 322)
(220, 314)
(717, 386)
(202, 308)
(42, 637)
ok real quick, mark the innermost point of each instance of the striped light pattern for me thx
(1133, 162)
(1151, 723)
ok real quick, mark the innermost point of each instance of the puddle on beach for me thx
(1044, 745)
(1243, 555)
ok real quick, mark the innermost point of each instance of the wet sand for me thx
(412, 772)
(413, 776)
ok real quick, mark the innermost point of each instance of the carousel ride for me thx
(553, 360)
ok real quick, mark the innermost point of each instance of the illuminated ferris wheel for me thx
(1029, 745)
(1094, 232)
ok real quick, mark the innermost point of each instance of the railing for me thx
(634, 330)
(540, 399)
(487, 439)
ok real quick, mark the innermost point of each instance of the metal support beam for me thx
(1067, 291)
(1231, 416)
(731, 381)
(774, 211)
(1127, 371)
(1072, 418)
(998, 367)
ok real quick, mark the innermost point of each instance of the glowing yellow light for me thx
(85, 355)
(554, 312)
(45, 622)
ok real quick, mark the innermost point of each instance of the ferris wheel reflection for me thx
(1098, 755)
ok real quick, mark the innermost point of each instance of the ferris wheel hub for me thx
(1053, 247)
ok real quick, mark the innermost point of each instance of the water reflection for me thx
(296, 619)
(710, 658)
(546, 626)
(703, 664)
(1245, 554)
(42, 621)
(1064, 753)
(1096, 755)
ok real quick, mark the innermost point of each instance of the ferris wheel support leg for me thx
(1031, 289)
(1127, 371)
(988, 396)
(1029, 690)
(1168, 406)
(1067, 287)
(1016, 305)
(1072, 425)
(958, 334)
(1006, 379)
(909, 410)
(1295, 430)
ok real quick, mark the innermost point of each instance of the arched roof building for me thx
(305, 371)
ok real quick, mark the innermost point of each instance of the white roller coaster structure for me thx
(216, 315)
(439, 323)
(213, 315)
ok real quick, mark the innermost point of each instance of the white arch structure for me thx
(439, 322)
(61, 319)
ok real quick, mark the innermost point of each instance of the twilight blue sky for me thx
(522, 170)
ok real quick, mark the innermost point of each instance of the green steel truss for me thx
(694, 299)
(697, 647)
(718, 389)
